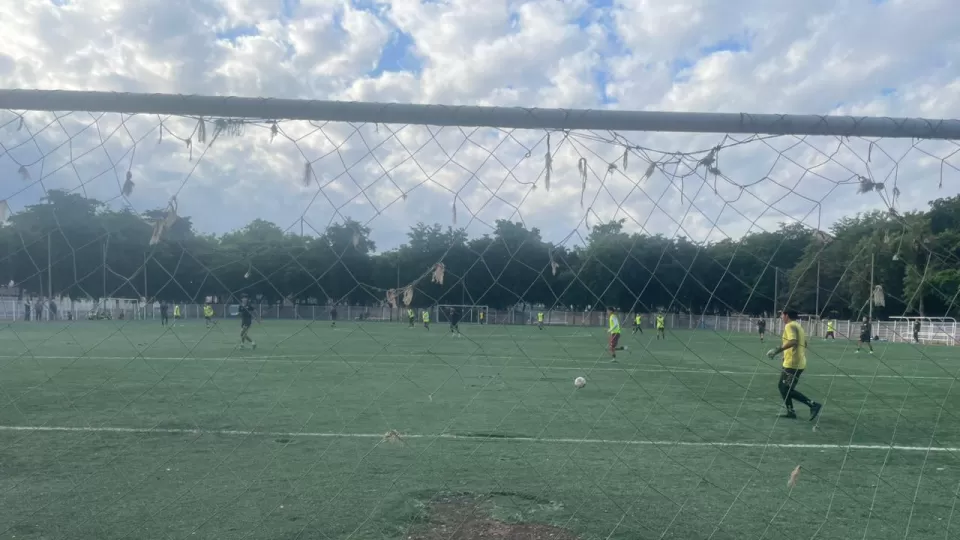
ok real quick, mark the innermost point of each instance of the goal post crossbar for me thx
(476, 116)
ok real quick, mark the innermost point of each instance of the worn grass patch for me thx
(496, 516)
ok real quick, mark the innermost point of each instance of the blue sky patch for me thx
(236, 33)
(732, 44)
(398, 55)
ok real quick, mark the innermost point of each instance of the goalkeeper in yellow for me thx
(793, 347)
(613, 328)
(208, 314)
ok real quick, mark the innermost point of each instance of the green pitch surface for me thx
(111, 430)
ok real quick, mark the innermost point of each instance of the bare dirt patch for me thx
(468, 518)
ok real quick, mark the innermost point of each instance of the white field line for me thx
(331, 358)
(455, 437)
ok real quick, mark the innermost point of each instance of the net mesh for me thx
(139, 248)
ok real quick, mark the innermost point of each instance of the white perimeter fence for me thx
(931, 332)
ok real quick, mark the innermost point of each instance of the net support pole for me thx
(776, 288)
(817, 296)
(870, 292)
(49, 274)
(103, 273)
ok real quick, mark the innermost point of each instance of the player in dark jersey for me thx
(866, 329)
(247, 315)
(916, 331)
(455, 316)
(333, 316)
(762, 328)
(164, 313)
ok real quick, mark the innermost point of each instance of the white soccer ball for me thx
(579, 382)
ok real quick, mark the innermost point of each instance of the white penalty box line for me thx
(474, 438)
(338, 358)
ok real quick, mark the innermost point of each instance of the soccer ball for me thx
(579, 382)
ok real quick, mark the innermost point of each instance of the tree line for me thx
(74, 246)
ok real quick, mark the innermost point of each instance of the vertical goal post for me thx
(643, 211)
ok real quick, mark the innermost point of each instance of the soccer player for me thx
(638, 323)
(164, 313)
(793, 347)
(425, 316)
(761, 328)
(865, 337)
(613, 327)
(207, 314)
(916, 331)
(540, 319)
(483, 316)
(661, 326)
(176, 312)
(454, 315)
(246, 320)
(411, 315)
(333, 316)
(831, 331)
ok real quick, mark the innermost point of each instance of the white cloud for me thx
(892, 58)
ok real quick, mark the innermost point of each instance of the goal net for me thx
(468, 314)
(258, 385)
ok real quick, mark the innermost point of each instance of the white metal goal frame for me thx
(555, 120)
(933, 330)
(468, 313)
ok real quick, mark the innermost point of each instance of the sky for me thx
(855, 57)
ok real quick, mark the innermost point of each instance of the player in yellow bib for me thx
(208, 314)
(638, 323)
(540, 319)
(426, 318)
(176, 312)
(613, 328)
(831, 330)
(661, 326)
(483, 316)
(794, 349)
(411, 315)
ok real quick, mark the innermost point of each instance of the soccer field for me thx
(114, 430)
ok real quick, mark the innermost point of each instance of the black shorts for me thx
(245, 325)
(762, 330)
(790, 376)
(865, 338)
